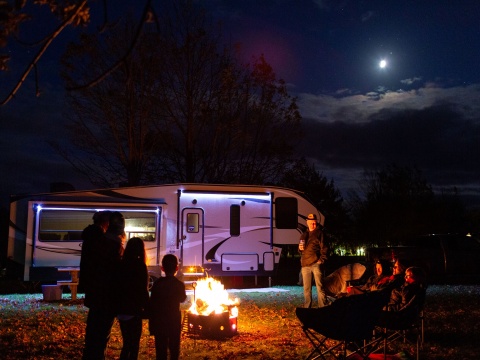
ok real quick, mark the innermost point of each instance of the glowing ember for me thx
(210, 297)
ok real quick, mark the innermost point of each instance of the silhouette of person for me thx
(92, 236)
(99, 297)
(132, 296)
(164, 310)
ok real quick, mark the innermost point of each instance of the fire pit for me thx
(212, 313)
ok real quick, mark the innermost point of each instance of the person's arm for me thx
(302, 243)
(323, 249)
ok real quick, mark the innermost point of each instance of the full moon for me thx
(383, 64)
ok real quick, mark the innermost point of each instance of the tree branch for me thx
(42, 50)
(145, 16)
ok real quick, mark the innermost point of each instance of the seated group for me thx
(388, 302)
(406, 287)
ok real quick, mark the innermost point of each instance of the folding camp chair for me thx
(348, 321)
(406, 325)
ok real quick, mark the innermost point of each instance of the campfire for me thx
(212, 313)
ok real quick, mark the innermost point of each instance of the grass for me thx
(267, 328)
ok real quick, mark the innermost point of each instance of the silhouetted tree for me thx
(449, 213)
(113, 139)
(223, 121)
(327, 198)
(50, 19)
(180, 108)
(396, 202)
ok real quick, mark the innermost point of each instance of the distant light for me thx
(383, 64)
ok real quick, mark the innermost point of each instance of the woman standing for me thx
(132, 296)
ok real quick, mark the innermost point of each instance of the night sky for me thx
(422, 109)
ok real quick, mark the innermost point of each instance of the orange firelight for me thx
(210, 297)
(212, 313)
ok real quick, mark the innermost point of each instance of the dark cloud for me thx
(438, 140)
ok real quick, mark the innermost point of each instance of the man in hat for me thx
(313, 253)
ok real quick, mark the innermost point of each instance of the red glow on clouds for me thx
(278, 52)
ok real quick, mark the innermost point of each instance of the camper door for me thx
(192, 233)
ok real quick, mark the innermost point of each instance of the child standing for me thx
(132, 296)
(164, 310)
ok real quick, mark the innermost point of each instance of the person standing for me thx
(313, 252)
(132, 296)
(104, 258)
(92, 236)
(164, 310)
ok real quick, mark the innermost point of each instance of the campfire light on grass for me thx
(212, 313)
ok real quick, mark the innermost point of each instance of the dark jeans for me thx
(131, 333)
(162, 343)
(97, 334)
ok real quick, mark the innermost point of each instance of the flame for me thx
(210, 297)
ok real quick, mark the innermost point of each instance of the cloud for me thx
(432, 128)
(359, 107)
(411, 81)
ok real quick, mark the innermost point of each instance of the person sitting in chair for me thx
(377, 281)
(395, 280)
(405, 302)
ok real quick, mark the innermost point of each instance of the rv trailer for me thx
(224, 230)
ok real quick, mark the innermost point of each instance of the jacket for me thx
(164, 306)
(103, 260)
(131, 287)
(315, 250)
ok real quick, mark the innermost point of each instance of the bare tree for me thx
(223, 121)
(178, 108)
(64, 15)
(395, 202)
(112, 127)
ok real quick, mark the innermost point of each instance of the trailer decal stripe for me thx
(60, 250)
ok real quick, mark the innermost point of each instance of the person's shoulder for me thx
(174, 280)
(157, 283)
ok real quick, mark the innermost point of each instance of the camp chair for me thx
(401, 325)
(348, 321)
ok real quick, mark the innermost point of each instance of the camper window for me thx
(67, 224)
(234, 220)
(62, 225)
(286, 213)
(192, 223)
